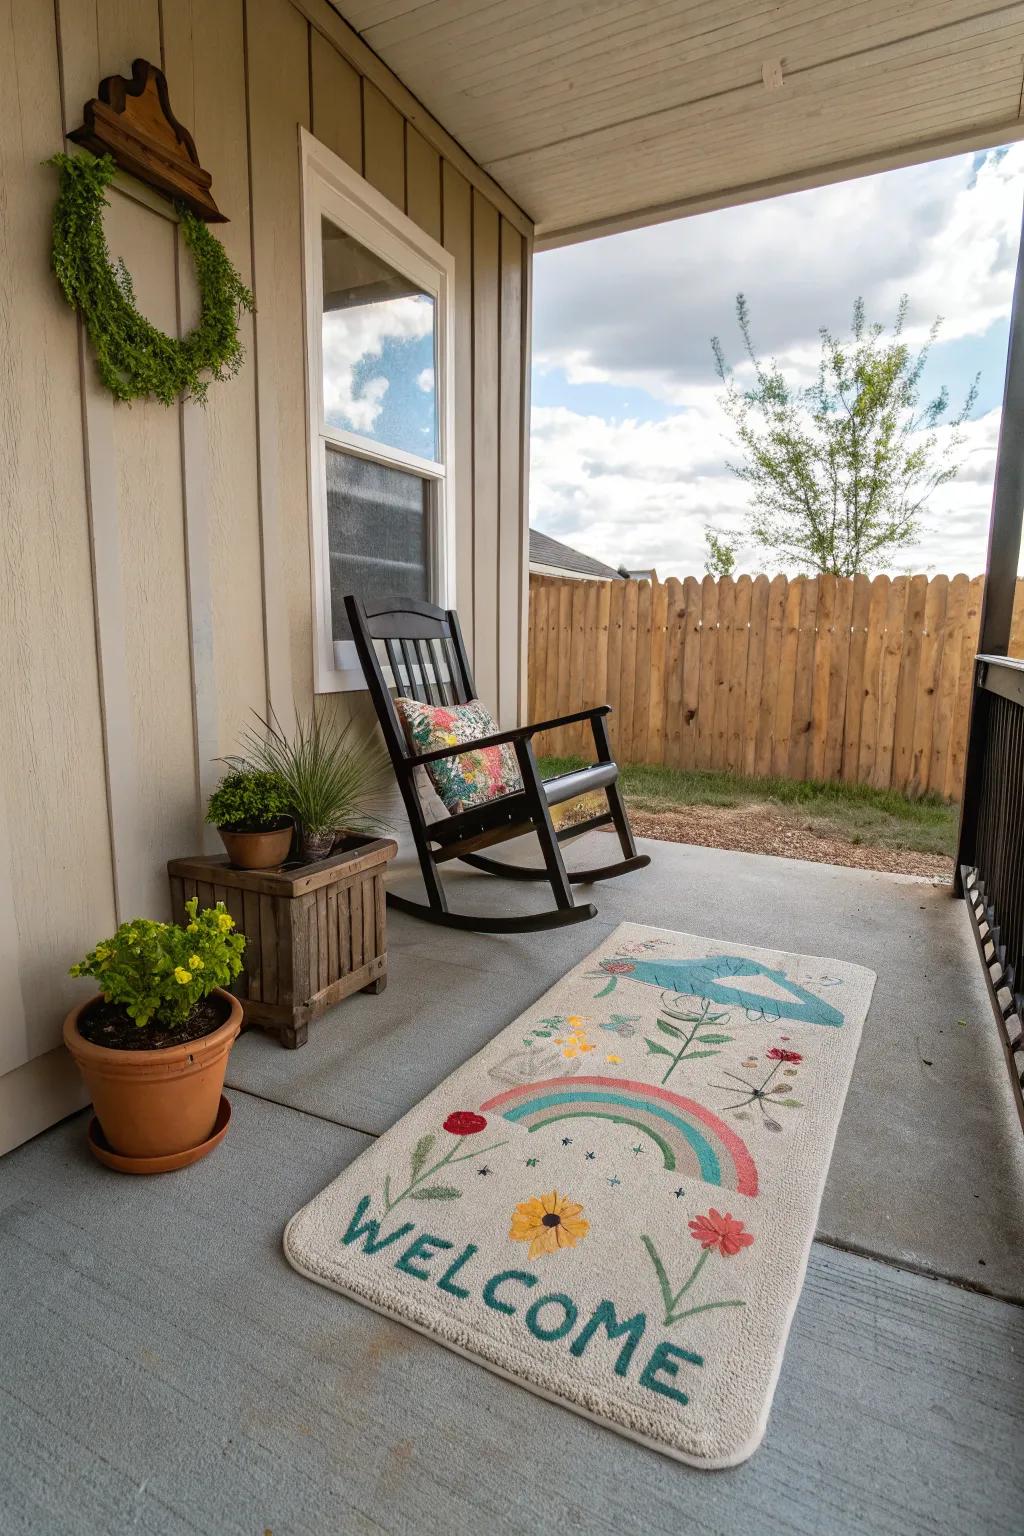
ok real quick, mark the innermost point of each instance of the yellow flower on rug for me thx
(577, 1043)
(552, 1222)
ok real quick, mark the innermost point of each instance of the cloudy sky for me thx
(630, 446)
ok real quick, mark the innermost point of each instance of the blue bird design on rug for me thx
(712, 978)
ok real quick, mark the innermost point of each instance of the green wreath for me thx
(133, 357)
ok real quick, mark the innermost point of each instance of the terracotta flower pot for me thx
(257, 850)
(155, 1103)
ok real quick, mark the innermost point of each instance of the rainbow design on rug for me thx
(690, 1138)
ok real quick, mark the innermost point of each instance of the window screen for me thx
(377, 532)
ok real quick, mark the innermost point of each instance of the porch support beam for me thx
(1004, 540)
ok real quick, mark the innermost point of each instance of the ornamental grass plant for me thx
(334, 777)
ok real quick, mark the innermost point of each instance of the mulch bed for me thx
(108, 1024)
(756, 829)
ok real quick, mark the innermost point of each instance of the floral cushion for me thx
(474, 777)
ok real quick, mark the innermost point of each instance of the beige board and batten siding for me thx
(155, 583)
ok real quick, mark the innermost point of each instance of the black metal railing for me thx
(992, 845)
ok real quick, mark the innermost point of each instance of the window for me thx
(378, 343)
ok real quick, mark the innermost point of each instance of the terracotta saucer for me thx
(104, 1152)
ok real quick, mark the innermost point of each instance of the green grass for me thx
(875, 817)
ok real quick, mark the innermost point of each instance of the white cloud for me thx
(425, 380)
(633, 491)
(642, 493)
(350, 336)
(640, 308)
(955, 532)
(637, 311)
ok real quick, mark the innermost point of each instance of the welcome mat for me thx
(613, 1202)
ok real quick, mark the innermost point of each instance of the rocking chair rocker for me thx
(428, 662)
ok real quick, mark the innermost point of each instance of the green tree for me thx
(841, 469)
(720, 559)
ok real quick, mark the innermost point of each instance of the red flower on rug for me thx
(722, 1232)
(618, 967)
(463, 1122)
(777, 1053)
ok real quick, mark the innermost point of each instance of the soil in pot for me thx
(108, 1024)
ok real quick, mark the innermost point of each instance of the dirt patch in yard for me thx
(760, 829)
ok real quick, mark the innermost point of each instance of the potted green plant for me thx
(250, 809)
(153, 1043)
(332, 776)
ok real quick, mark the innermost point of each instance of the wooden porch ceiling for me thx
(597, 115)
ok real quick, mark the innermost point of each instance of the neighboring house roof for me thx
(548, 554)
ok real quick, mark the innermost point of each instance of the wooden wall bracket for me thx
(132, 121)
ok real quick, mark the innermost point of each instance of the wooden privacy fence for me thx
(852, 679)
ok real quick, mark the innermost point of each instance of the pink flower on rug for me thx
(778, 1054)
(722, 1232)
(463, 1122)
(618, 967)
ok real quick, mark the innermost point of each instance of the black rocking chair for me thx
(428, 662)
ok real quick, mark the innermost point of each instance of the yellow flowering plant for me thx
(162, 970)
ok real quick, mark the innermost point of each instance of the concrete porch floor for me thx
(165, 1370)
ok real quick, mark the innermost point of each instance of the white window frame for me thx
(333, 190)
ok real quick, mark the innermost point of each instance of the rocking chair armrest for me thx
(598, 717)
(595, 713)
(506, 738)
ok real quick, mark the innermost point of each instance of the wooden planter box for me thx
(316, 932)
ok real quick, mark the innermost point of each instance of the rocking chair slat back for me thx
(413, 681)
(426, 667)
(425, 654)
(444, 672)
(396, 661)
